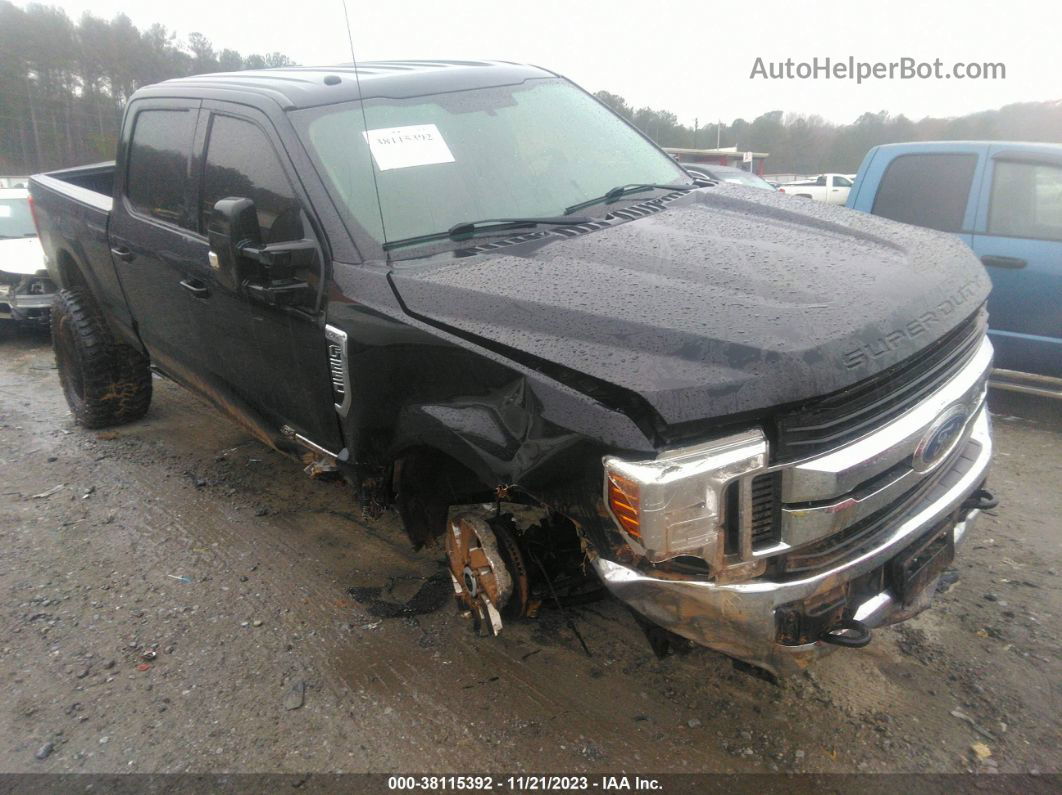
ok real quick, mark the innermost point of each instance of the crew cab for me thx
(829, 188)
(494, 306)
(1004, 200)
(26, 292)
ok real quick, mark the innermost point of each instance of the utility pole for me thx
(695, 126)
(718, 134)
(33, 122)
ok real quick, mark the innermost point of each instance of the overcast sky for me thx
(692, 57)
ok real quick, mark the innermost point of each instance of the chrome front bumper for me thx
(739, 619)
(37, 301)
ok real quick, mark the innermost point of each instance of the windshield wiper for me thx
(468, 229)
(620, 191)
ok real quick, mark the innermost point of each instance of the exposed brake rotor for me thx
(487, 570)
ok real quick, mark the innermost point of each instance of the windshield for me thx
(512, 151)
(15, 218)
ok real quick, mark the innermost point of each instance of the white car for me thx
(26, 292)
(829, 188)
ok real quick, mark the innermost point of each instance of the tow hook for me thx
(981, 500)
(847, 632)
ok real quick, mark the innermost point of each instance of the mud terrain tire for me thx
(105, 381)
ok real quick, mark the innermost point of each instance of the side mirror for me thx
(233, 226)
(265, 274)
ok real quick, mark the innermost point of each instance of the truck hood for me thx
(22, 256)
(729, 300)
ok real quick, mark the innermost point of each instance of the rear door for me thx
(273, 358)
(154, 246)
(1018, 237)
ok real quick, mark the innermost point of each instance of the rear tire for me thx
(105, 382)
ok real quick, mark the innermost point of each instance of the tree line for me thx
(808, 144)
(63, 85)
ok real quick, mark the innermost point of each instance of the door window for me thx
(927, 190)
(1026, 201)
(241, 162)
(842, 182)
(158, 164)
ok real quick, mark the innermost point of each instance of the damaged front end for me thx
(26, 297)
(771, 533)
(776, 563)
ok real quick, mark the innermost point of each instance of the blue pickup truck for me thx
(1005, 200)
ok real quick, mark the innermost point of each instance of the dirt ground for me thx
(288, 636)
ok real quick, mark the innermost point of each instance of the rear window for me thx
(158, 164)
(1026, 201)
(927, 190)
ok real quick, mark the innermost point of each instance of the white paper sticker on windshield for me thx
(401, 147)
(5, 211)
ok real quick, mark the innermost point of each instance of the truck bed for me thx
(72, 208)
(92, 185)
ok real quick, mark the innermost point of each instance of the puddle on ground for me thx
(389, 602)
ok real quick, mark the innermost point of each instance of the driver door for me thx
(272, 358)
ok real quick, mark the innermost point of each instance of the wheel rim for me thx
(483, 584)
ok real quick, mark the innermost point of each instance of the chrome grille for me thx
(808, 514)
(866, 532)
(833, 420)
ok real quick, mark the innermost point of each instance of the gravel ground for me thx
(175, 597)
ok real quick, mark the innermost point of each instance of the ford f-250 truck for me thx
(493, 305)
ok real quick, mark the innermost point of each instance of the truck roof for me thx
(309, 86)
(959, 145)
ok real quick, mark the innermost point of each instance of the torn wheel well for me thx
(426, 483)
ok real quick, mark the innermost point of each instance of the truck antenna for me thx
(365, 123)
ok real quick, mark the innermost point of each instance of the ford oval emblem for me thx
(940, 439)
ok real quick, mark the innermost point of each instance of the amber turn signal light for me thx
(623, 500)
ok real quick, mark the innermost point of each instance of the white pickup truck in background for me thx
(829, 188)
(26, 292)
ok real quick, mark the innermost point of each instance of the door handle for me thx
(122, 253)
(1013, 263)
(196, 288)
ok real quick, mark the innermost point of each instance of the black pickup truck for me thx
(491, 304)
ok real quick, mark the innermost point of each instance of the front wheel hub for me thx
(482, 582)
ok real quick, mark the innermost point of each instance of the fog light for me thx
(673, 504)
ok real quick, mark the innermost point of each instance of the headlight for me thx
(674, 504)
